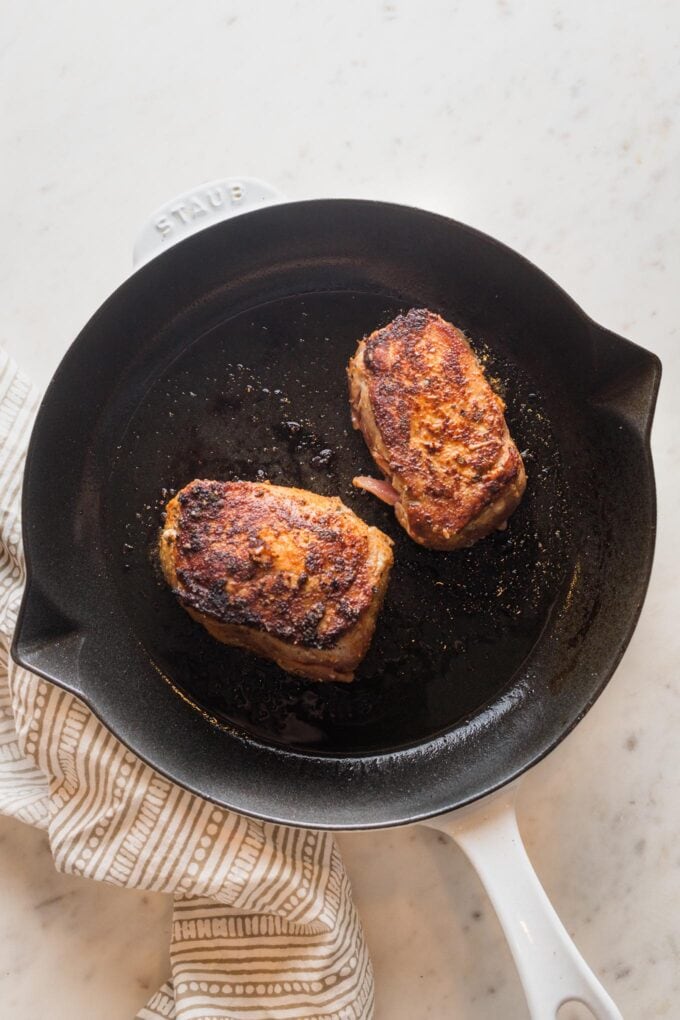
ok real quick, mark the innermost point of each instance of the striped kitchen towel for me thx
(264, 926)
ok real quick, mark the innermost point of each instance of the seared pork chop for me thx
(288, 575)
(436, 430)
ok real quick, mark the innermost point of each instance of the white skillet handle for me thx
(551, 969)
(201, 207)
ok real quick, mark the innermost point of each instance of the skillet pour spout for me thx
(628, 379)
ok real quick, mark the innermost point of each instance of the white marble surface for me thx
(554, 127)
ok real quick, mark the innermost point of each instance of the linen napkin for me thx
(264, 927)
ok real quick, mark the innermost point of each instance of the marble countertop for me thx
(553, 127)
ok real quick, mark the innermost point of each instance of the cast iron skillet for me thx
(225, 358)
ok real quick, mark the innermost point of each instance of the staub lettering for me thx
(196, 205)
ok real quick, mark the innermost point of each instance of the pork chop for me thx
(284, 573)
(436, 430)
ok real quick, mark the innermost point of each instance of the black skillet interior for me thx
(263, 395)
(226, 359)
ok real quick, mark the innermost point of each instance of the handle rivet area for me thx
(198, 204)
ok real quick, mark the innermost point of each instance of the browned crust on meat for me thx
(286, 573)
(436, 430)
